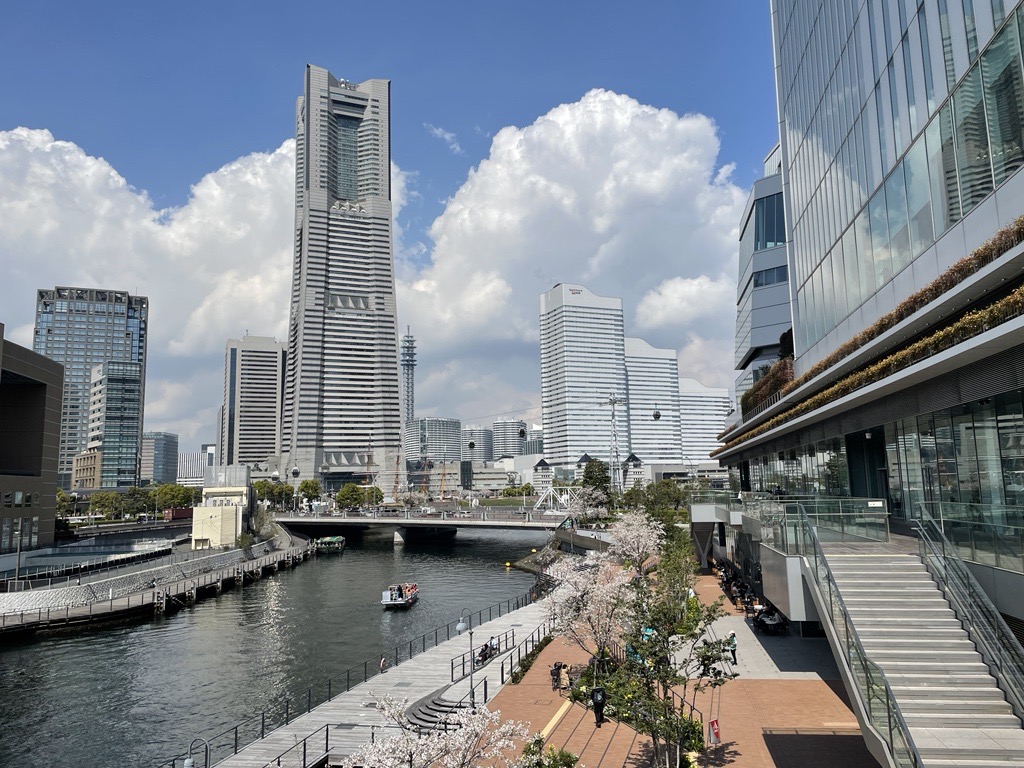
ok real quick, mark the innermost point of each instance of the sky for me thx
(150, 148)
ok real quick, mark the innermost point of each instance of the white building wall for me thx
(653, 385)
(703, 412)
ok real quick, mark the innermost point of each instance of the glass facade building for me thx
(901, 127)
(81, 328)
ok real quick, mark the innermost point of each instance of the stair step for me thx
(940, 667)
(920, 625)
(880, 655)
(947, 706)
(957, 720)
(895, 611)
(942, 691)
(918, 679)
(909, 642)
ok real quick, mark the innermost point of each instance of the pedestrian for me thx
(563, 678)
(730, 645)
(555, 669)
(383, 663)
(597, 699)
(495, 645)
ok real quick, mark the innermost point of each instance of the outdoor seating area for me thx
(764, 617)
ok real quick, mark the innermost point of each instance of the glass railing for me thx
(875, 694)
(987, 628)
(724, 499)
(987, 534)
(836, 518)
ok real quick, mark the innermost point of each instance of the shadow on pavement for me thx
(818, 749)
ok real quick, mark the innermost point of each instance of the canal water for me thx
(137, 694)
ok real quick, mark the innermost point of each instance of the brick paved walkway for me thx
(533, 702)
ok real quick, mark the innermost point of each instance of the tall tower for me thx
(408, 376)
(342, 415)
(582, 363)
(81, 328)
(250, 429)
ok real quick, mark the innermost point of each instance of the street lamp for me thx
(295, 495)
(461, 627)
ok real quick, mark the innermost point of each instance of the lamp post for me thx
(295, 495)
(461, 627)
(190, 763)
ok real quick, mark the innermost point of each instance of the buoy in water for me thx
(508, 564)
(534, 550)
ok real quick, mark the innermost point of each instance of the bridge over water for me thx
(410, 522)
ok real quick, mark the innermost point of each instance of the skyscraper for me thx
(477, 444)
(434, 439)
(582, 363)
(652, 381)
(159, 457)
(81, 328)
(250, 424)
(703, 411)
(342, 416)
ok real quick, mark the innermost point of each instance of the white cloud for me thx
(217, 266)
(625, 198)
(622, 197)
(447, 137)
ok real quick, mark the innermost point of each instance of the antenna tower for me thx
(408, 375)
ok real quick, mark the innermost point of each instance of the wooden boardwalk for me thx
(350, 716)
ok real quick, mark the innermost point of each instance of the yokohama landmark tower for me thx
(342, 413)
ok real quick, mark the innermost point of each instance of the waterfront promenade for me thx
(343, 724)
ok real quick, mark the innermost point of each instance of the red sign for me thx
(716, 736)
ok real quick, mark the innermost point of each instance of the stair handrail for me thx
(894, 728)
(994, 639)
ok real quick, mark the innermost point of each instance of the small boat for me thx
(400, 595)
(330, 544)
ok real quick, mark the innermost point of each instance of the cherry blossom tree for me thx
(589, 504)
(590, 601)
(636, 537)
(471, 737)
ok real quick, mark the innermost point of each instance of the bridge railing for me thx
(479, 514)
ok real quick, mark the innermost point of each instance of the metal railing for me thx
(995, 641)
(462, 663)
(875, 693)
(478, 514)
(988, 534)
(835, 518)
(231, 740)
(514, 660)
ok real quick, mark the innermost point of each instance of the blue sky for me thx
(167, 94)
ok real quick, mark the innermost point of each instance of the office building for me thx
(763, 315)
(433, 439)
(477, 444)
(30, 412)
(115, 422)
(250, 416)
(509, 437)
(582, 364)
(535, 441)
(342, 414)
(192, 466)
(81, 328)
(654, 407)
(703, 411)
(159, 458)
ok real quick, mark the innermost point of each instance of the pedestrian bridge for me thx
(424, 521)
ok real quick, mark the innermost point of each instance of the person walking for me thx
(730, 645)
(383, 663)
(597, 699)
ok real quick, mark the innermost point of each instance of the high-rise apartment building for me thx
(477, 444)
(434, 439)
(342, 415)
(81, 328)
(653, 407)
(534, 441)
(582, 363)
(703, 411)
(192, 465)
(115, 422)
(159, 458)
(763, 314)
(250, 416)
(509, 437)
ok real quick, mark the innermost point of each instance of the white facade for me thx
(342, 413)
(482, 441)
(250, 428)
(652, 378)
(433, 438)
(192, 466)
(703, 411)
(509, 437)
(582, 360)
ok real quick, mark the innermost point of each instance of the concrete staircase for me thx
(956, 713)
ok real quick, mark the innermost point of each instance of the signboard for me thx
(714, 735)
